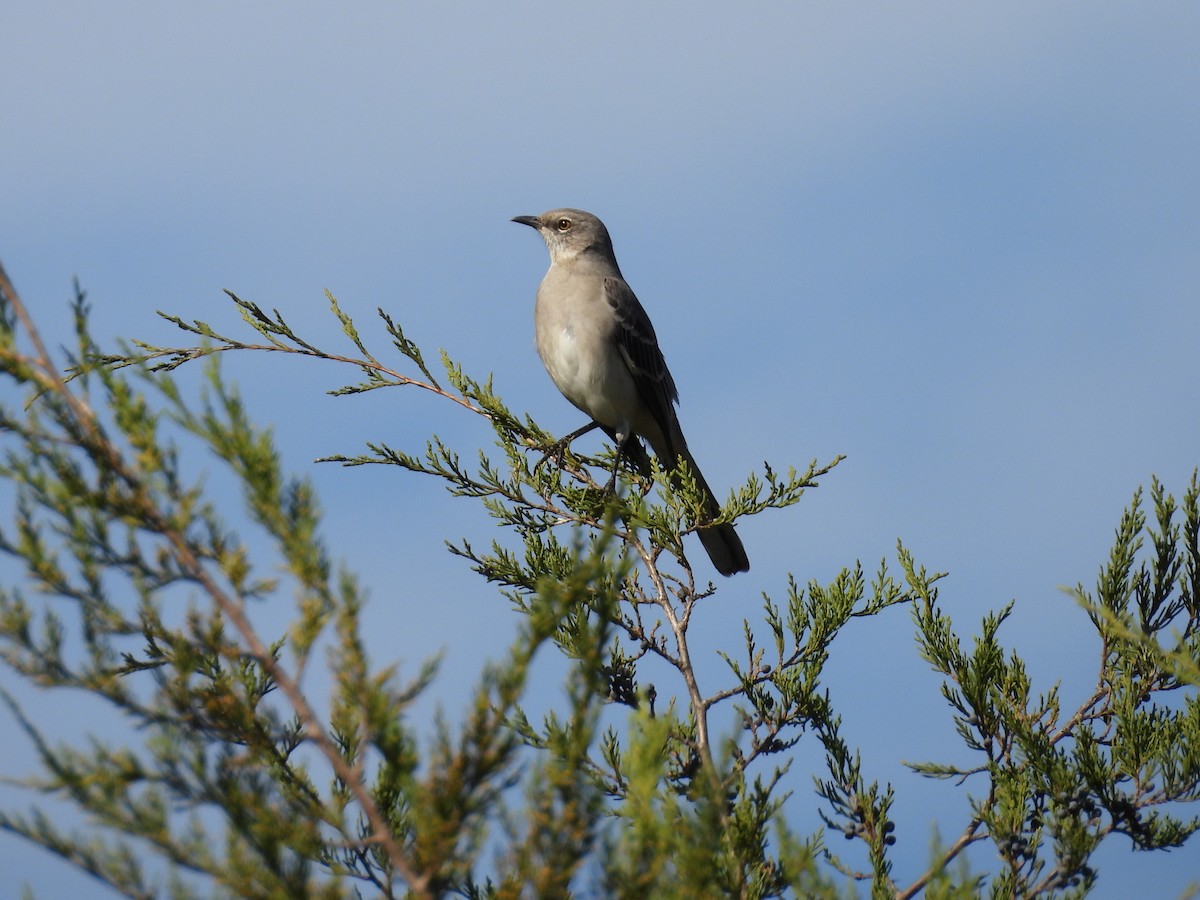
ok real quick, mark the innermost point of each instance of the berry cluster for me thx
(1076, 803)
(857, 827)
(1015, 847)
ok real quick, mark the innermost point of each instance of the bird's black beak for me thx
(531, 221)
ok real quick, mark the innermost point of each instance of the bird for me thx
(601, 352)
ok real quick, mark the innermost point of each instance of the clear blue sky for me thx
(956, 242)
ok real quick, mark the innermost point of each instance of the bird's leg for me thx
(560, 446)
(578, 432)
(612, 479)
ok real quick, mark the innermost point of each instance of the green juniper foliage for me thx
(233, 780)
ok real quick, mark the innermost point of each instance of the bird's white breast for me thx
(574, 339)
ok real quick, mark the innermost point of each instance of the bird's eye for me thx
(563, 224)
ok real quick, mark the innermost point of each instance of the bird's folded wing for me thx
(639, 347)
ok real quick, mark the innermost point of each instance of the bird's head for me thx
(570, 232)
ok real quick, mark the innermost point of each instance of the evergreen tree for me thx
(136, 589)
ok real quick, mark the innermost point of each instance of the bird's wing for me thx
(639, 347)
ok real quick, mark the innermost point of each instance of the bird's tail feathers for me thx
(721, 542)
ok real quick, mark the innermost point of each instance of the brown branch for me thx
(965, 839)
(400, 380)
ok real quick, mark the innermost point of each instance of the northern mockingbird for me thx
(600, 350)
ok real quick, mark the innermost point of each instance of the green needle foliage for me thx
(235, 780)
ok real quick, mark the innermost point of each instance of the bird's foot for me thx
(558, 449)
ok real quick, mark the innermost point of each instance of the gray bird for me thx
(600, 349)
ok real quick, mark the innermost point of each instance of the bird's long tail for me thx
(721, 542)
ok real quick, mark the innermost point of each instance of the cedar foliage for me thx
(136, 588)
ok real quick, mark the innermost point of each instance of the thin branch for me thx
(965, 839)
(308, 350)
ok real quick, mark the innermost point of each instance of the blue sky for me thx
(956, 242)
